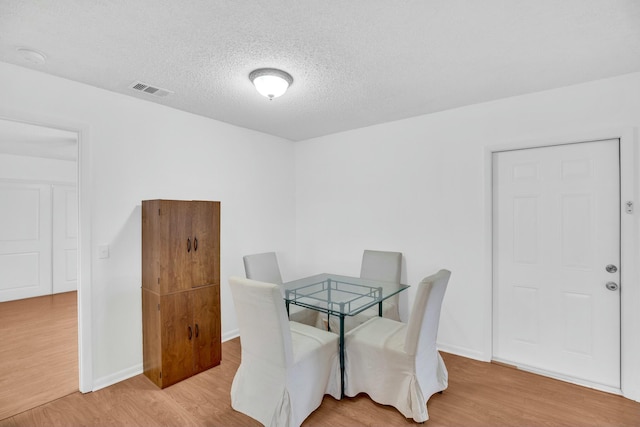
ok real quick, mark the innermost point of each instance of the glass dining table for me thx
(339, 296)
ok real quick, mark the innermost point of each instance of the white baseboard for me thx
(561, 377)
(65, 287)
(230, 335)
(463, 351)
(125, 374)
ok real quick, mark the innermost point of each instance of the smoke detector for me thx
(31, 56)
(138, 86)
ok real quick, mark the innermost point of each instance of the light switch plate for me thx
(103, 251)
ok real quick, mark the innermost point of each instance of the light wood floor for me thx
(38, 351)
(479, 394)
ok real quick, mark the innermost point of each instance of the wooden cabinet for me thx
(180, 289)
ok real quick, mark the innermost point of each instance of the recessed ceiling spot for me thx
(32, 56)
(138, 86)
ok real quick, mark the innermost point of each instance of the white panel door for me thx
(65, 238)
(556, 222)
(25, 240)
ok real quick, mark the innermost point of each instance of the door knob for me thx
(612, 286)
(611, 268)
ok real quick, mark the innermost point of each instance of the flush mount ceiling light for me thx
(271, 82)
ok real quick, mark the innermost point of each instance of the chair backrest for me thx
(265, 333)
(422, 328)
(263, 267)
(381, 265)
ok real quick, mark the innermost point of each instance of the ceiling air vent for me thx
(151, 90)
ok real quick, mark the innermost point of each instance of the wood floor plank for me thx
(38, 351)
(479, 394)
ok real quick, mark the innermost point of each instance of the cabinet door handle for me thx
(197, 330)
(195, 243)
(190, 332)
(188, 244)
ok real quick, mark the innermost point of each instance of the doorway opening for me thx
(39, 250)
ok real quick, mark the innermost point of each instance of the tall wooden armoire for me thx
(180, 289)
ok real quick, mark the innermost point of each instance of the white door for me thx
(556, 225)
(65, 238)
(25, 240)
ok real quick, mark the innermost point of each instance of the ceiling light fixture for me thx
(271, 82)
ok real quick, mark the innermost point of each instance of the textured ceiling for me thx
(355, 63)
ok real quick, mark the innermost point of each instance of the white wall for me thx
(418, 186)
(25, 168)
(422, 186)
(141, 150)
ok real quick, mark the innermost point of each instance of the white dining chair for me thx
(264, 267)
(398, 363)
(376, 265)
(286, 367)
(386, 266)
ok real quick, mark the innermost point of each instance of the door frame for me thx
(629, 285)
(84, 185)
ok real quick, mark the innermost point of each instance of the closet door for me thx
(65, 238)
(25, 240)
(177, 246)
(177, 338)
(205, 303)
(205, 236)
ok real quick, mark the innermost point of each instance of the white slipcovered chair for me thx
(286, 367)
(264, 267)
(398, 364)
(376, 265)
(387, 266)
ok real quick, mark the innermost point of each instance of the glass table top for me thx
(335, 294)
